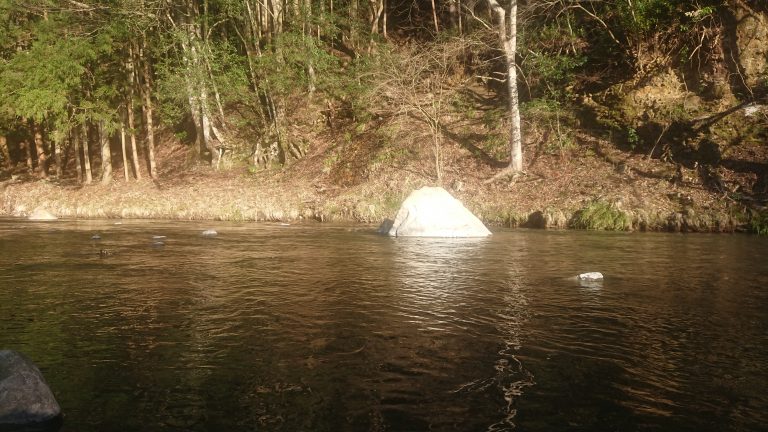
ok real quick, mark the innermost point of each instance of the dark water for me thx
(323, 328)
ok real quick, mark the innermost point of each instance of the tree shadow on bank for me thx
(476, 143)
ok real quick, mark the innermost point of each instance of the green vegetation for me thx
(759, 223)
(600, 215)
(357, 99)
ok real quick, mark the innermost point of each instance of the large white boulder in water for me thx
(25, 398)
(433, 212)
(41, 214)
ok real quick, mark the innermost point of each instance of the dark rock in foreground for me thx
(26, 401)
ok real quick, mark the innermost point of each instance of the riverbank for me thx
(591, 186)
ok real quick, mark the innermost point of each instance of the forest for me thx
(650, 113)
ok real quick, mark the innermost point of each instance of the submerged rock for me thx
(25, 398)
(41, 214)
(433, 212)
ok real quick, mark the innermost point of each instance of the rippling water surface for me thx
(332, 328)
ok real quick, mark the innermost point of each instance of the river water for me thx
(333, 328)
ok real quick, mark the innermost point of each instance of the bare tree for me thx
(506, 27)
(421, 84)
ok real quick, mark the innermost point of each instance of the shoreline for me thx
(246, 203)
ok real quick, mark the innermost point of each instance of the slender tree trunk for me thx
(148, 112)
(377, 8)
(76, 142)
(384, 23)
(515, 135)
(132, 80)
(106, 154)
(434, 16)
(57, 145)
(353, 13)
(86, 155)
(507, 30)
(122, 148)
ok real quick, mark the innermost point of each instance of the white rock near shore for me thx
(433, 212)
(41, 214)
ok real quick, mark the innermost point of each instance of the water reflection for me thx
(334, 328)
(442, 281)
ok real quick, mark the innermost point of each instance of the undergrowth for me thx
(759, 223)
(600, 215)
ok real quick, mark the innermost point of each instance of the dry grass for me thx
(362, 174)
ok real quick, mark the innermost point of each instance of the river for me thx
(332, 328)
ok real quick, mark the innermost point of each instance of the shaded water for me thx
(328, 328)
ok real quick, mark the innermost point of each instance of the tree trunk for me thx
(76, 142)
(130, 110)
(57, 157)
(434, 16)
(122, 149)
(148, 112)
(28, 151)
(42, 162)
(507, 30)
(86, 156)
(106, 154)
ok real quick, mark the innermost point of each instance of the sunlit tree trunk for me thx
(106, 154)
(130, 111)
(434, 16)
(377, 9)
(122, 149)
(507, 29)
(148, 110)
(86, 155)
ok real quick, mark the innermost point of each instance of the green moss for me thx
(600, 215)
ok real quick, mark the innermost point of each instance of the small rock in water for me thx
(95, 237)
(210, 233)
(106, 252)
(591, 276)
(118, 223)
(158, 237)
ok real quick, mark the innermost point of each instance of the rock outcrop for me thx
(25, 398)
(433, 212)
